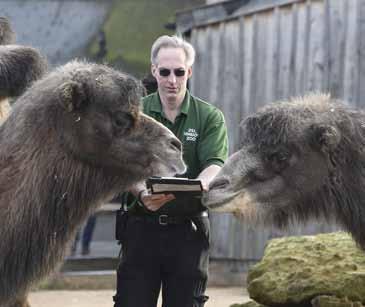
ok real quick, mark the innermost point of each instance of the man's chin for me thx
(171, 95)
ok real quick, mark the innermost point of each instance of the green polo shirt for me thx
(202, 130)
(200, 127)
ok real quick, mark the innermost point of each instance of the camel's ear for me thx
(324, 137)
(72, 95)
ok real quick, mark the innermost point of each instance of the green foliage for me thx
(131, 28)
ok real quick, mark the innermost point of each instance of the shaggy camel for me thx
(300, 159)
(7, 35)
(72, 141)
(19, 67)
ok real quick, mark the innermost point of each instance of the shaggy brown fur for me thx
(71, 142)
(19, 67)
(300, 159)
(7, 35)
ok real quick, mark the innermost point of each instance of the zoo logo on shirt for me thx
(191, 135)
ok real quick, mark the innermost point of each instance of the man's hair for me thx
(167, 41)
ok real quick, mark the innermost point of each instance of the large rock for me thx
(332, 301)
(295, 270)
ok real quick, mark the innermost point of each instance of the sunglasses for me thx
(165, 72)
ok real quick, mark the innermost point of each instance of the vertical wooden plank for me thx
(221, 64)
(337, 36)
(219, 232)
(200, 68)
(317, 51)
(270, 53)
(320, 59)
(214, 76)
(208, 54)
(361, 58)
(254, 86)
(230, 81)
(206, 65)
(193, 80)
(293, 50)
(277, 57)
(247, 63)
(285, 44)
(241, 45)
(326, 46)
(262, 33)
(300, 66)
(351, 54)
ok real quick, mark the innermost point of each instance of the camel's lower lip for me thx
(216, 202)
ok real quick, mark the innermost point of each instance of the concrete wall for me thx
(60, 29)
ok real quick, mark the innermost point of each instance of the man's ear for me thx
(325, 137)
(190, 72)
(72, 95)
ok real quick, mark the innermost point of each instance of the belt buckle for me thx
(162, 219)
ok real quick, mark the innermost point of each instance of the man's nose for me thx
(172, 77)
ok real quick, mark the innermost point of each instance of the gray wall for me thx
(270, 51)
(60, 29)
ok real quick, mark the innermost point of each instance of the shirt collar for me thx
(156, 105)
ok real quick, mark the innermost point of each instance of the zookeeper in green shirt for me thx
(166, 237)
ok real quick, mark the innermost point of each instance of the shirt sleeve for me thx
(213, 145)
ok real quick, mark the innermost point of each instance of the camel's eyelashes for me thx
(278, 160)
(123, 121)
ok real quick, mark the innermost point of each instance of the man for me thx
(164, 245)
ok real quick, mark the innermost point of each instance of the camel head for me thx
(299, 159)
(94, 112)
(7, 35)
(20, 66)
(73, 140)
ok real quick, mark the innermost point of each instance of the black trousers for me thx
(174, 257)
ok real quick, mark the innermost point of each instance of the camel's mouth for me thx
(169, 167)
(219, 193)
(219, 184)
(218, 197)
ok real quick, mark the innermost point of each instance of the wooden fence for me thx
(267, 51)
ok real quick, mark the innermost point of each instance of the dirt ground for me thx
(219, 297)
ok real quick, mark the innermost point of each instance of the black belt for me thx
(165, 219)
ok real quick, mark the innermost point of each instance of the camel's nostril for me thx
(176, 144)
(219, 183)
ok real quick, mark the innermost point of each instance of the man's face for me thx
(172, 74)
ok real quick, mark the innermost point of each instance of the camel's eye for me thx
(122, 121)
(278, 160)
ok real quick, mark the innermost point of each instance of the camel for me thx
(72, 141)
(7, 35)
(20, 66)
(299, 160)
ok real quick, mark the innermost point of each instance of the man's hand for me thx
(207, 175)
(154, 202)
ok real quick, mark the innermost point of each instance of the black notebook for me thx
(175, 185)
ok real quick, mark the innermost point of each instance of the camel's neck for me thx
(53, 196)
